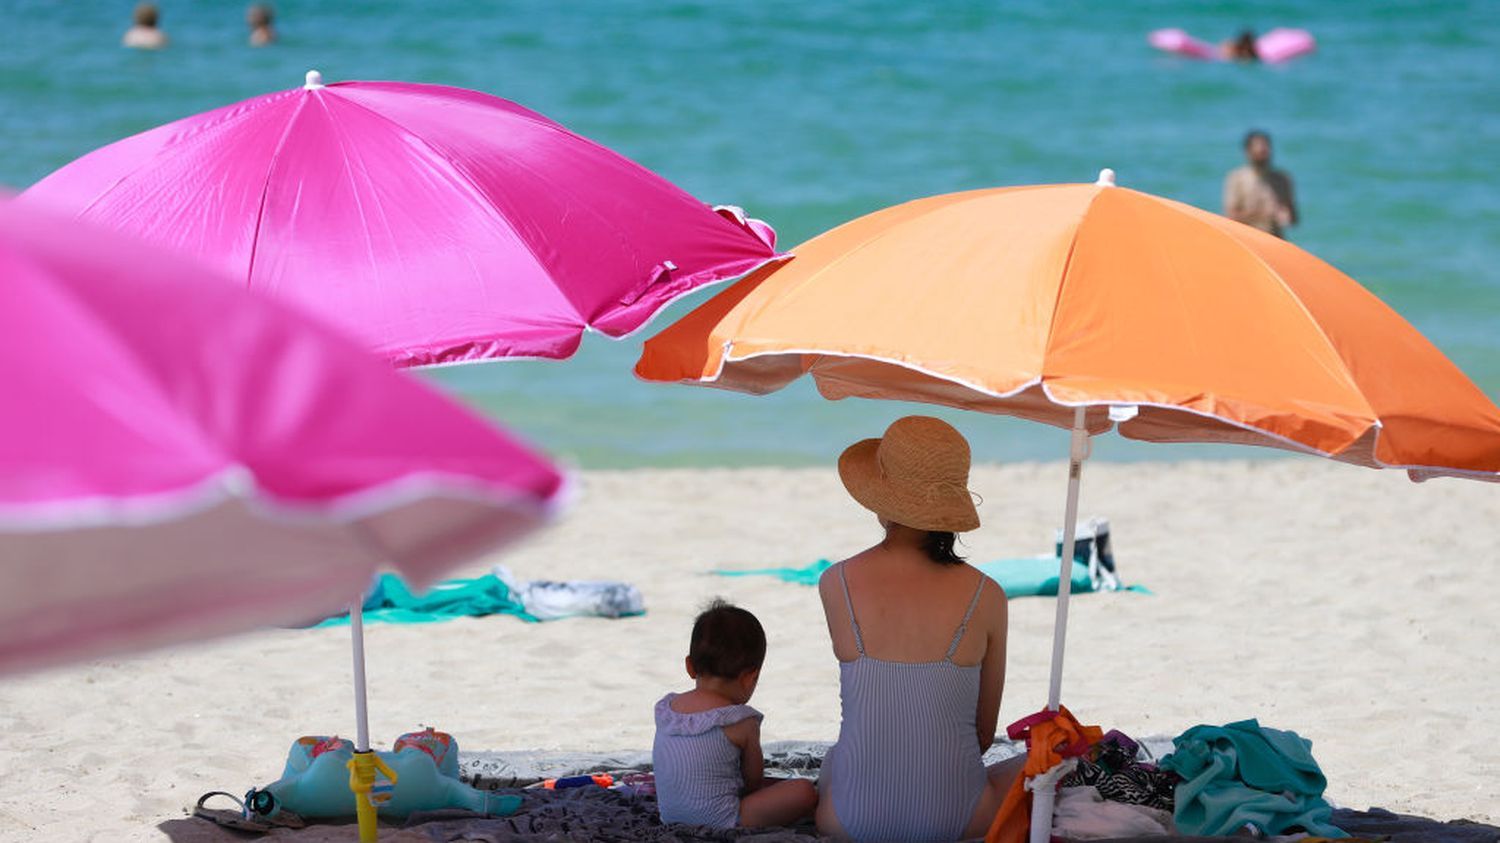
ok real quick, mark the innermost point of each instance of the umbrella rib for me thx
(460, 177)
(1218, 231)
(640, 172)
(1302, 306)
(514, 109)
(146, 162)
(265, 190)
(546, 124)
(848, 253)
(1062, 281)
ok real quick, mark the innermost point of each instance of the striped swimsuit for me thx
(907, 765)
(698, 776)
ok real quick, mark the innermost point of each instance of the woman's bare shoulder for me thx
(994, 593)
(993, 601)
(830, 577)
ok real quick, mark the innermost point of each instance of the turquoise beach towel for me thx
(1243, 774)
(1034, 576)
(390, 601)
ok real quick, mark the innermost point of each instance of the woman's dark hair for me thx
(1252, 135)
(938, 546)
(727, 642)
(1244, 47)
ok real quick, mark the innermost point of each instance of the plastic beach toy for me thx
(1278, 45)
(420, 773)
(599, 779)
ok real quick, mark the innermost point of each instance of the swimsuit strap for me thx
(859, 641)
(964, 624)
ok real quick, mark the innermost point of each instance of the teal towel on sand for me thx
(1031, 577)
(1243, 773)
(390, 601)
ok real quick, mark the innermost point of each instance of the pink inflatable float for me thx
(1278, 45)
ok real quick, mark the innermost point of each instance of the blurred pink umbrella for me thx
(436, 224)
(180, 458)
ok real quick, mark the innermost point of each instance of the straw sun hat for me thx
(916, 475)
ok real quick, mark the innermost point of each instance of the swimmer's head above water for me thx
(1242, 48)
(146, 15)
(258, 15)
(1257, 148)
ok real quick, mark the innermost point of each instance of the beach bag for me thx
(1092, 549)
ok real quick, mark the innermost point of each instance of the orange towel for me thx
(1051, 737)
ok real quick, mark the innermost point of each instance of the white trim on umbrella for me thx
(1425, 471)
(238, 484)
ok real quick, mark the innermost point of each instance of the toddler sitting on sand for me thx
(707, 757)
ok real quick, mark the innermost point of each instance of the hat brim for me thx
(948, 511)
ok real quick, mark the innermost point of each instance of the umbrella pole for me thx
(1042, 800)
(357, 638)
(363, 765)
(1077, 454)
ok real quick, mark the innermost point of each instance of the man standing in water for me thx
(1258, 194)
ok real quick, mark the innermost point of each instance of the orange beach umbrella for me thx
(1093, 307)
(1041, 301)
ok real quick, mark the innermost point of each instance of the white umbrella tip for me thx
(314, 80)
(1106, 178)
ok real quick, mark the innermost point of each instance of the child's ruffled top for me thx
(698, 777)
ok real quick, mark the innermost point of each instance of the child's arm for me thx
(746, 735)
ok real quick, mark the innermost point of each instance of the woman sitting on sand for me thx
(920, 639)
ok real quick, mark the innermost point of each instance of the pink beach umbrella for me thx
(181, 459)
(436, 224)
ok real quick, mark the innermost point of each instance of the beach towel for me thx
(1032, 576)
(1245, 774)
(390, 600)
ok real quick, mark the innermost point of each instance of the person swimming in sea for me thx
(1241, 48)
(258, 17)
(144, 33)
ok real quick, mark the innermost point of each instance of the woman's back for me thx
(907, 765)
(909, 607)
(920, 638)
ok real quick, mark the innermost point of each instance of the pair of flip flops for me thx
(241, 818)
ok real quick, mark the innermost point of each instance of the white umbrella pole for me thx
(365, 765)
(357, 637)
(1042, 800)
(1077, 454)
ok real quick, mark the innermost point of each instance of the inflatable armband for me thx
(1179, 42)
(1283, 44)
(315, 783)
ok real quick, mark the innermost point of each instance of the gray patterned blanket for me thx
(610, 816)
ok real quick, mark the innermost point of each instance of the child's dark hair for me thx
(727, 641)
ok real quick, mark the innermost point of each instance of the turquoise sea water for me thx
(811, 113)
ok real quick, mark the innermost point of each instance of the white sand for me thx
(1351, 606)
